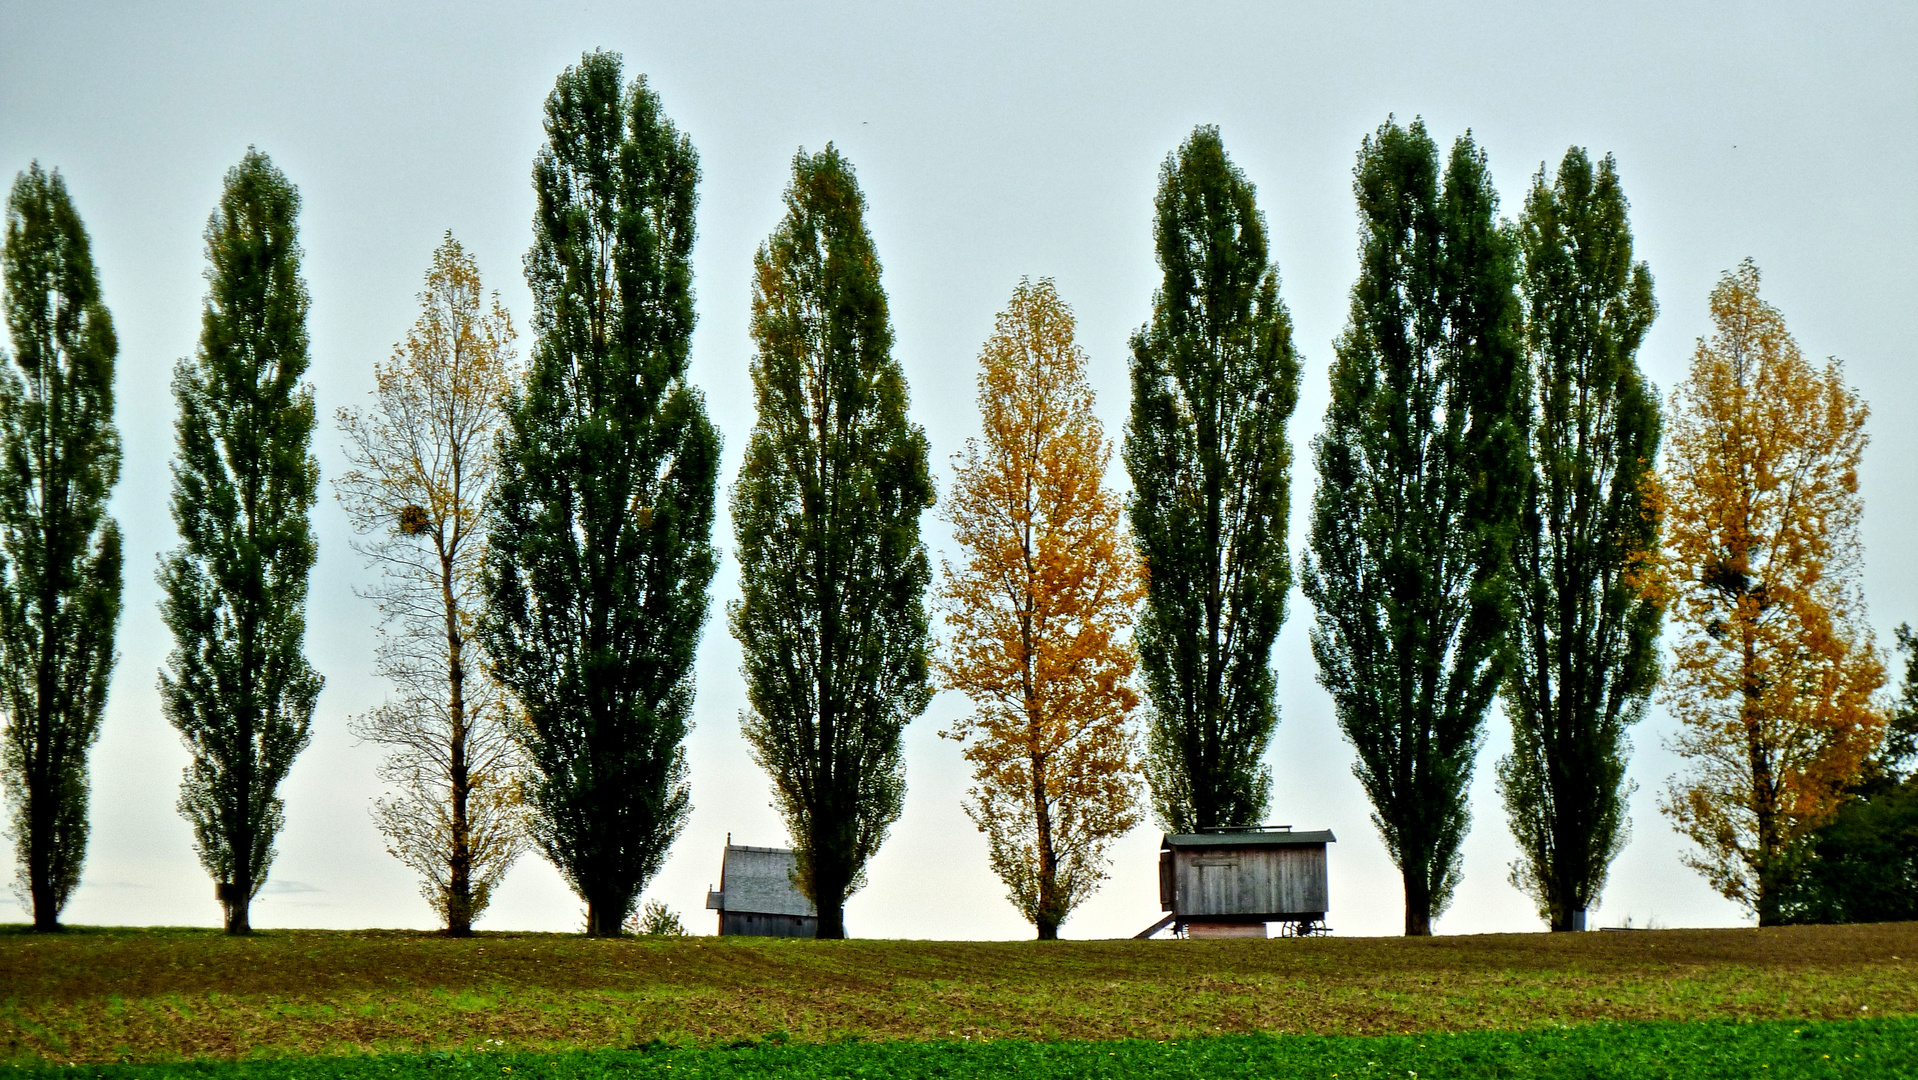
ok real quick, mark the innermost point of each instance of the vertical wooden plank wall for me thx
(1250, 881)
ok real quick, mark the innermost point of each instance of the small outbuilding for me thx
(757, 897)
(1232, 882)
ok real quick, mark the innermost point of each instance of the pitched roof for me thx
(759, 880)
(1267, 836)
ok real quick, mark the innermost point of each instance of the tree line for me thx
(1491, 523)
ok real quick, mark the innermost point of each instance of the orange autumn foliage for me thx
(1038, 615)
(1774, 673)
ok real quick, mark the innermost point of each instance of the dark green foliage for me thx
(1585, 644)
(237, 685)
(1421, 474)
(1874, 1048)
(831, 616)
(59, 552)
(1862, 866)
(600, 549)
(1214, 381)
(1899, 756)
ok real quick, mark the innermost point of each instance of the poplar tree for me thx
(1214, 382)
(1775, 673)
(1421, 472)
(420, 465)
(1038, 610)
(599, 535)
(59, 551)
(831, 616)
(237, 685)
(1586, 640)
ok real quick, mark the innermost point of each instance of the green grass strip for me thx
(1882, 1049)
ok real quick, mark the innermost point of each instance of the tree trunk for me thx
(1568, 914)
(1566, 920)
(1764, 791)
(829, 889)
(832, 917)
(46, 919)
(44, 770)
(239, 916)
(239, 898)
(46, 916)
(1047, 918)
(1207, 811)
(459, 900)
(1418, 908)
(602, 918)
(239, 893)
(830, 877)
(1768, 890)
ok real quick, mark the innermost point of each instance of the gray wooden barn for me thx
(1231, 882)
(756, 895)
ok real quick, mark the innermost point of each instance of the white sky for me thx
(991, 143)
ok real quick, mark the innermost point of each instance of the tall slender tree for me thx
(600, 534)
(422, 467)
(1038, 611)
(1585, 645)
(59, 551)
(1214, 382)
(1774, 672)
(237, 684)
(1421, 474)
(832, 615)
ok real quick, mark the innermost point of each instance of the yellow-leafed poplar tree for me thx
(1774, 672)
(1038, 614)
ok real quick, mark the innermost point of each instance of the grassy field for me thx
(1874, 1049)
(168, 995)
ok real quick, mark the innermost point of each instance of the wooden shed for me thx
(756, 895)
(1231, 882)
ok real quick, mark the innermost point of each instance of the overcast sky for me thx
(991, 143)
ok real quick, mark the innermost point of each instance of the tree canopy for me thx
(599, 550)
(237, 685)
(1214, 382)
(831, 615)
(59, 551)
(1421, 474)
(1037, 612)
(422, 468)
(1774, 671)
(1585, 646)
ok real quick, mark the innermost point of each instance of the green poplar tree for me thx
(599, 552)
(1421, 471)
(833, 577)
(1585, 647)
(237, 685)
(59, 552)
(1214, 382)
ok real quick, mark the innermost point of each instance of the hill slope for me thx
(129, 994)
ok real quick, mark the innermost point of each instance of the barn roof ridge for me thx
(1259, 836)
